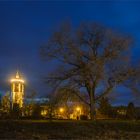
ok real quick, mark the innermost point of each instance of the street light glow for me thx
(78, 108)
(61, 110)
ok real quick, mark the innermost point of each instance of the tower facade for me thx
(17, 90)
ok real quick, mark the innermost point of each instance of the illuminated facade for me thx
(17, 90)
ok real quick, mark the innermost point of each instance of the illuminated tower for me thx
(17, 90)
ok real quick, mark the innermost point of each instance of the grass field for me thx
(76, 130)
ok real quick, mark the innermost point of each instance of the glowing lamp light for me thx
(78, 108)
(61, 110)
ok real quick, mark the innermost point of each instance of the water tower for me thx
(17, 90)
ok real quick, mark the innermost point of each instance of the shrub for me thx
(83, 117)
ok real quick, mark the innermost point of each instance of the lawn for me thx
(76, 130)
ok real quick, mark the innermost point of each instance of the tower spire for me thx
(17, 74)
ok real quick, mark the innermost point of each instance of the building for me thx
(17, 90)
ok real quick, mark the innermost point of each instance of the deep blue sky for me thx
(24, 26)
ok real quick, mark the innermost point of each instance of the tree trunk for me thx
(92, 106)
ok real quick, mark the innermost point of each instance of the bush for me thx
(83, 117)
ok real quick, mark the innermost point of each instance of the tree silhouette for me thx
(131, 111)
(16, 111)
(5, 103)
(90, 57)
(105, 107)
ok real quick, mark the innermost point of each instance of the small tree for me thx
(6, 103)
(131, 112)
(30, 104)
(28, 109)
(51, 107)
(105, 107)
(16, 111)
(36, 111)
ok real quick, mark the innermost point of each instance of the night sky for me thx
(25, 26)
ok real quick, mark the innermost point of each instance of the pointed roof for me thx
(18, 78)
(17, 75)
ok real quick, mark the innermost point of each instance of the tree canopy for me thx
(91, 57)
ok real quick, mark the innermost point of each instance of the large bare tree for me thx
(89, 57)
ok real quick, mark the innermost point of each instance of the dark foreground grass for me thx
(76, 130)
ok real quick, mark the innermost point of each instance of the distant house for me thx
(121, 110)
